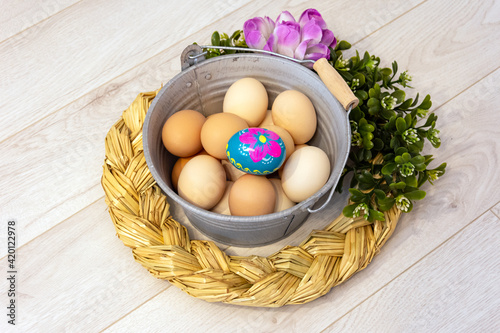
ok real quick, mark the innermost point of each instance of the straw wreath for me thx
(293, 275)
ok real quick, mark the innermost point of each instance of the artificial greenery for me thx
(388, 133)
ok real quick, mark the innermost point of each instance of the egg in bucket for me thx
(201, 86)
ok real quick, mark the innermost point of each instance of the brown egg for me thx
(181, 133)
(268, 120)
(285, 136)
(295, 112)
(179, 165)
(202, 181)
(223, 206)
(252, 195)
(217, 131)
(248, 99)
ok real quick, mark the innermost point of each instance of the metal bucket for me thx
(202, 87)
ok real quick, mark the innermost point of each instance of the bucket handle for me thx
(336, 84)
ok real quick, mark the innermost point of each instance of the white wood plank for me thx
(496, 210)
(82, 48)
(19, 15)
(450, 43)
(62, 154)
(77, 278)
(467, 189)
(456, 288)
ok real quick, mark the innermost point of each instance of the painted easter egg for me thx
(257, 151)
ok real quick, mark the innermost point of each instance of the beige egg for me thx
(179, 165)
(232, 172)
(282, 201)
(217, 131)
(285, 136)
(202, 181)
(295, 112)
(252, 195)
(305, 172)
(268, 120)
(248, 99)
(181, 133)
(223, 206)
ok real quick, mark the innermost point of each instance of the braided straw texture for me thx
(293, 275)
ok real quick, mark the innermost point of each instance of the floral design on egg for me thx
(262, 143)
(256, 151)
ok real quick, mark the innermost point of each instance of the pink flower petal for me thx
(271, 135)
(257, 154)
(273, 149)
(248, 138)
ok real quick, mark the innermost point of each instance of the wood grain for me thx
(69, 68)
(24, 14)
(453, 289)
(65, 149)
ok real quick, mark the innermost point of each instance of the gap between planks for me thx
(41, 21)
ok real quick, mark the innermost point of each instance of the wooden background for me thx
(69, 68)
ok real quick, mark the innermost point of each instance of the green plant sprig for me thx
(388, 133)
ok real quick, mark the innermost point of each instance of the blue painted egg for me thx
(256, 150)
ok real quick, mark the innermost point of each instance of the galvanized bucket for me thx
(201, 86)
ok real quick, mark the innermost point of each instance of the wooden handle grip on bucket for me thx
(336, 84)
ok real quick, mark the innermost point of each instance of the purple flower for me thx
(257, 31)
(308, 38)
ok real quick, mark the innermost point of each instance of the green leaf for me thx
(378, 144)
(389, 168)
(379, 194)
(385, 204)
(415, 195)
(361, 95)
(397, 186)
(349, 210)
(357, 195)
(406, 157)
(373, 102)
(394, 67)
(343, 45)
(411, 181)
(400, 125)
(376, 215)
(216, 39)
(419, 159)
(394, 143)
(426, 103)
(386, 71)
(399, 95)
(401, 151)
(432, 117)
